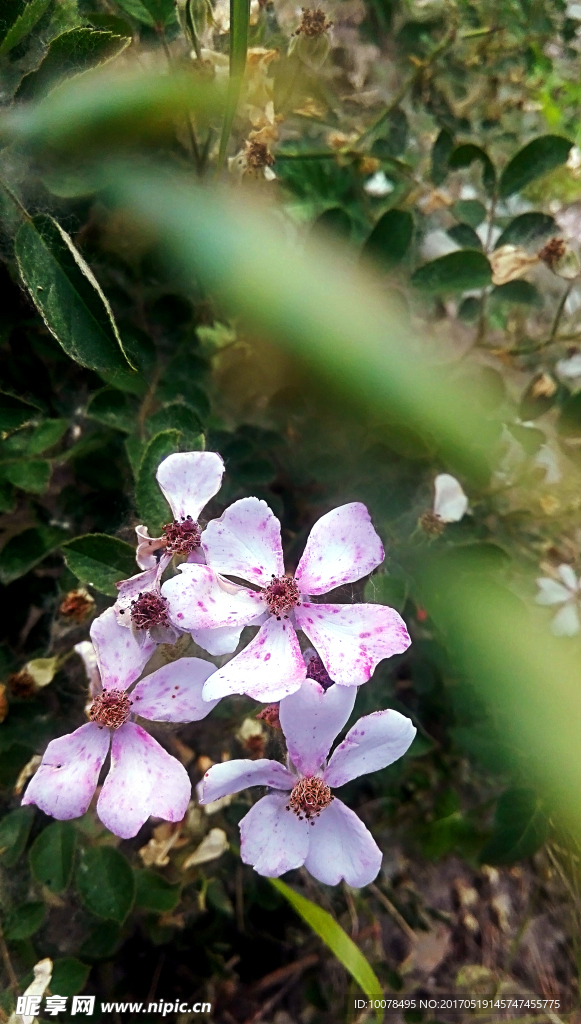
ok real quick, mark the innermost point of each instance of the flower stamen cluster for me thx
(553, 251)
(183, 536)
(282, 595)
(313, 23)
(432, 524)
(317, 671)
(149, 610)
(111, 708)
(309, 797)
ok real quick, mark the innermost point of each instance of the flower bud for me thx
(562, 260)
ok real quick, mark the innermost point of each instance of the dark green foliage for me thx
(52, 856)
(520, 828)
(100, 561)
(456, 272)
(535, 159)
(105, 883)
(390, 239)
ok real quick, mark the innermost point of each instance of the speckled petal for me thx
(269, 668)
(352, 639)
(66, 780)
(273, 839)
(342, 547)
(374, 742)
(245, 542)
(198, 599)
(222, 640)
(310, 720)
(188, 481)
(149, 549)
(173, 693)
(340, 846)
(144, 780)
(232, 776)
(121, 659)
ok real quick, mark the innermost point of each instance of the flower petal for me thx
(566, 621)
(450, 502)
(222, 640)
(120, 658)
(340, 846)
(270, 667)
(352, 639)
(273, 839)
(232, 776)
(245, 542)
(311, 718)
(198, 599)
(144, 780)
(86, 651)
(188, 481)
(568, 577)
(374, 742)
(149, 549)
(551, 592)
(173, 693)
(67, 777)
(342, 547)
(145, 582)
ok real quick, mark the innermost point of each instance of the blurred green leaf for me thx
(45, 435)
(152, 507)
(385, 589)
(67, 295)
(390, 238)
(69, 54)
(239, 19)
(32, 476)
(105, 883)
(335, 221)
(441, 151)
(100, 561)
(327, 928)
(526, 229)
(113, 408)
(540, 396)
(24, 921)
(520, 828)
(153, 892)
(395, 140)
(24, 24)
(52, 855)
(456, 272)
(518, 292)
(465, 236)
(69, 976)
(538, 157)
(569, 424)
(14, 831)
(177, 416)
(466, 154)
(102, 940)
(137, 10)
(15, 412)
(27, 549)
(470, 211)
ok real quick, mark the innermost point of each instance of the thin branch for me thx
(393, 912)
(12, 979)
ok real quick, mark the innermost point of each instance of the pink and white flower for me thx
(301, 822)
(143, 778)
(188, 481)
(246, 543)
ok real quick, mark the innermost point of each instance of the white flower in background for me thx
(378, 185)
(570, 368)
(566, 621)
(450, 502)
(548, 460)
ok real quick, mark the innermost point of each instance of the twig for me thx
(12, 979)
(282, 973)
(271, 1003)
(393, 912)
(559, 313)
(352, 910)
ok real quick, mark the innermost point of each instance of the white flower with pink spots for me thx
(245, 543)
(300, 821)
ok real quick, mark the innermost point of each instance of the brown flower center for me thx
(317, 671)
(432, 524)
(553, 251)
(270, 715)
(313, 23)
(149, 610)
(183, 536)
(282, 595)
(309, 797)
(111, 708)
(258, 155)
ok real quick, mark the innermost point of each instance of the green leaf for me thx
(177, 416)
(46, 435)
(470, 211)
(465, 155)
(464, 236)
(440, 155)
(239, 19)
(24, 921)
(69, 54)
(69, 976)
(33, 12)
(535, 159)
(327, 928)
(135, 9)
(391, 238)
(52, 855)
(154, 892)
(569, 424)
(100, 561)
(105, 883)
(520, 828)
(527, 228)
(101, 941)
(518, 292)
(386, 589)
(15, 412)
(335, 221)
(456, 272)
(29, 475)
(67, 295)
(153, 509)
(113, 408)
(26, 550)
(14, 832)
(395, 141)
